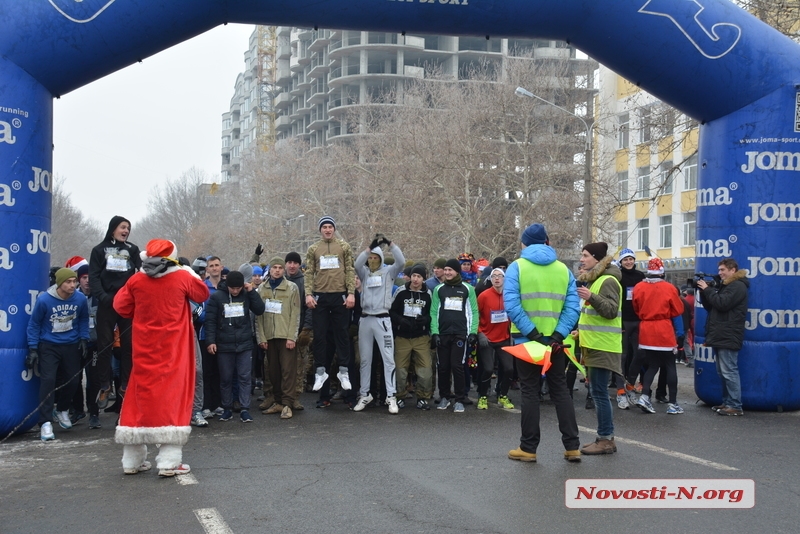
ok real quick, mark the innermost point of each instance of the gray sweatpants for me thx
(376, 329)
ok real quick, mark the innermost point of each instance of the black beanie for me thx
(234, 279)
(453, 264)
(597, 250)
(293, 256)
(499, 262)
(420, 270)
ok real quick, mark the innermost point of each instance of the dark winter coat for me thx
(106, 283)
(231, 334)
(727, 312)
(411, 327)
(630, 277)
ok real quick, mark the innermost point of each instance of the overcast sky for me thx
(118, 137)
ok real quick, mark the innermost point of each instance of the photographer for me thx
(726, 303)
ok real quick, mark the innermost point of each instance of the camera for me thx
(712, 280)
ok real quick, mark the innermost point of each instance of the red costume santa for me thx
(158, 402)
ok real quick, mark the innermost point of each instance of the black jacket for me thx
(305, 313)
(231, 334)
(411, 327)
(104, 282)
(727, 312)
(630, 277)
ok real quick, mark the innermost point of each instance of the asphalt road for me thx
(332, 470)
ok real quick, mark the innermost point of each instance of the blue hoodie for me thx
(71, 316)
(570, 313)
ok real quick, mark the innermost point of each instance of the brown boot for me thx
(269, 401)
(275, 408)
(572, 456)
(297, 405)
(286, 413)
(600, 446)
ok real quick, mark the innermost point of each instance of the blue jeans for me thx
(598, 386)
(235, 366)
(728, 371)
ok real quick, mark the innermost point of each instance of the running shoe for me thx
(443, 404)
(674, 409)
(505, 402)
(363, 402)
(644, 404)
(319, 379)
(46, 432)
(483, 403)
(458, 408)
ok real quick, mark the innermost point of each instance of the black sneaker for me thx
(662, 399)
(227, 415)
(245, 417)
(94, 422)
(401, 403)
(422, 404)
(589, 402)
(77, 416)
(323, 403)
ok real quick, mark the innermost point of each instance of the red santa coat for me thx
(158, 402)
(656, 302)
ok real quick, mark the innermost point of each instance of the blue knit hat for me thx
(627, 253)
(535, 234)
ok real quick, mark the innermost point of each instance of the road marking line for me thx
(679, 455)
(212, 522)
(186, 480)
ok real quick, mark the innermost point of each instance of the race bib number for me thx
(62, 324)
(273, 306)
(117, 263)
(234, 309)
(329, 262)
(374, 280)
(412, 310)
(629, 295)
(499, 316)
(91, 322)
(453, 303)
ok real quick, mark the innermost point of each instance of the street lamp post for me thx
(586, 230)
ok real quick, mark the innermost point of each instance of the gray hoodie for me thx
(376, 288)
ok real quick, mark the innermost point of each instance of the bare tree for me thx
(73, 234)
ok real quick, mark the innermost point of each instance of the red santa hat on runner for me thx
(75, 263)
(160, 248)
(655, 267)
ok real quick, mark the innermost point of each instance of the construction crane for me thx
(267, 75)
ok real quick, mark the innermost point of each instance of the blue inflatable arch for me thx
(708, 58)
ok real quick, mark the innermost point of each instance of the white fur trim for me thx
(169, 456)
(172, 435)
(133, 456)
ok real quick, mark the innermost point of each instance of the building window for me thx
(235, 151)
(623, 130)
(667, 178)
(226, 141)
(643, 182)
(689, 228)
(225, 176)
(665, 231)
(622, 181)
(645, 125)
(622, 234)
(643, 233)
(690, 173)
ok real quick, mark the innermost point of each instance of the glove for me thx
(304, 339)
(472, 340)
(385, 241)
(32, 359)
(535, 335)
(483, 341)
(556, 337)
(259, 250)
(435, 341)
(681, 341)
(83, 350)
(374, 244)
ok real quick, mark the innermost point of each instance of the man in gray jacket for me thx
(377, 282)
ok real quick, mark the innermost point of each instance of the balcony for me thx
(283, 123)
(317, 120)
(282, 100)
(318, 67)
(319, 40)
(284, 51)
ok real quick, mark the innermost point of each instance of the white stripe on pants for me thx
(376, 329)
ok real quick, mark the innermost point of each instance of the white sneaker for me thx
(622, 402)
(362, 403)
(208, 414)
(344, 380)
(199, 420)
(320, 379)
(134, 470)
(393, 408)
(46, 433)
(63, 419)
(182, 469)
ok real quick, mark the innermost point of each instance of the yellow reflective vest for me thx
(597, 332)
(543, 299)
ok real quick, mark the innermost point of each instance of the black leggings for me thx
(657, 359)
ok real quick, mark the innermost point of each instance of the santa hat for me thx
(75, 263)
(160, 248)
(655, 267)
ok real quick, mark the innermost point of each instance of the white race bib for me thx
(62, 324)
(630, 293)
(412, 310)
(91, 322)
(329, 262)
(499, 316)
(117, 263)
(273, 306)
(234, 309)
(453, 303)
(374, 280)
